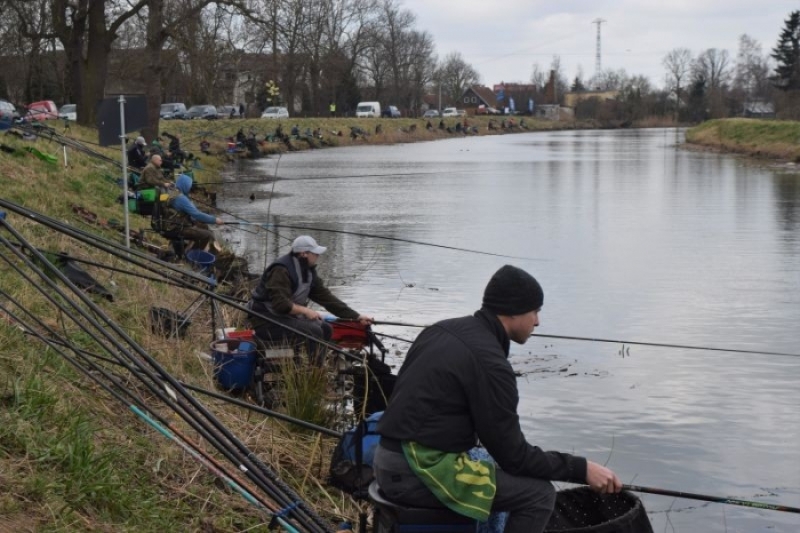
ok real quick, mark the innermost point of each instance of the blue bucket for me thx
(234, 363)
(201, 260)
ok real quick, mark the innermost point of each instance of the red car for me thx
(43, 110)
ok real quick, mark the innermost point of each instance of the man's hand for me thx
(311, 314)
(219, 221)
(365, 320)
(602, 479)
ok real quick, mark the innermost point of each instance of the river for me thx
(633, 238)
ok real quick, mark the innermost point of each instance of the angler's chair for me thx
(391, 517)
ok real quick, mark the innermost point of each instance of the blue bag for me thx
(351, 463)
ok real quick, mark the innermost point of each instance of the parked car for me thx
(431, 113)
(275, 112)
(368, 109)
(391, 112)
(461, 113)
(450, 112)
(208, 112)
(228, 111)
(42, 110)
(68, 112)
(486, 110)
(174, 110)
(8, 113)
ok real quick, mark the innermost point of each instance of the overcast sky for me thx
(502, 40)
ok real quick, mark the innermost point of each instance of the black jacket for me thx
(457, 387)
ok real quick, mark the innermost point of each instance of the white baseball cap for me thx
(305, 243)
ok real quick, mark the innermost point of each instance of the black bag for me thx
(351, 463)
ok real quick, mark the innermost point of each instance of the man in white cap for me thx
(283, 294)
(136, 155)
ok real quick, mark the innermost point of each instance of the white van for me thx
(368, 109)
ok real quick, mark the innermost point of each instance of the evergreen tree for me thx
(787, 55)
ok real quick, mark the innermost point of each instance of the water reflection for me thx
(632, 238)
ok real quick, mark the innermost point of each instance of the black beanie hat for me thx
(512, 291)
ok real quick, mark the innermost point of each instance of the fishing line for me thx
(616, 341)
(269, 206)
(308, 178)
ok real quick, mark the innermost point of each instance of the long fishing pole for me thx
(28, 330)
(208, 423)
(395, 239)
(617, 341)
(715, 499)
(126, 396)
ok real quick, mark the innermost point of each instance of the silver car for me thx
(275, 112)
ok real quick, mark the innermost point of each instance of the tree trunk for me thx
(154, 43)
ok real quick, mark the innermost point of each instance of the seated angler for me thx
(137, 158)
(283, 294)
(183, 219)
(152, 175)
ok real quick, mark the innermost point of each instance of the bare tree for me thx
(714, 67)
(678, 63)
(455, 75)
(539, 76)
(562, 83)
(609, 80)
(752, 69)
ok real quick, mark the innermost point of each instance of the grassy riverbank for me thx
(73, 459)
(775, 139)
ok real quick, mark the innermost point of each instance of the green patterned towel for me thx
(463, 485)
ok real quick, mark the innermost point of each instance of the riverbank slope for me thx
(773, 139)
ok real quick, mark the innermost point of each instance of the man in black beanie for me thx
(456, 389)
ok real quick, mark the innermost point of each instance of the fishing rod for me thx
(616, 341)
(206, 423)
(128, 398)
(67, 257)
(216, 395)
(28, 330)
(395, 239)
(715, 499)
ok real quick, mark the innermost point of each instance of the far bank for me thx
(771, 139)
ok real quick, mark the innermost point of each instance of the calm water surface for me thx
(632, 238)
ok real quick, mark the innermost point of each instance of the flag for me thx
(501, 95)
(511, 104)
(530, 105)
